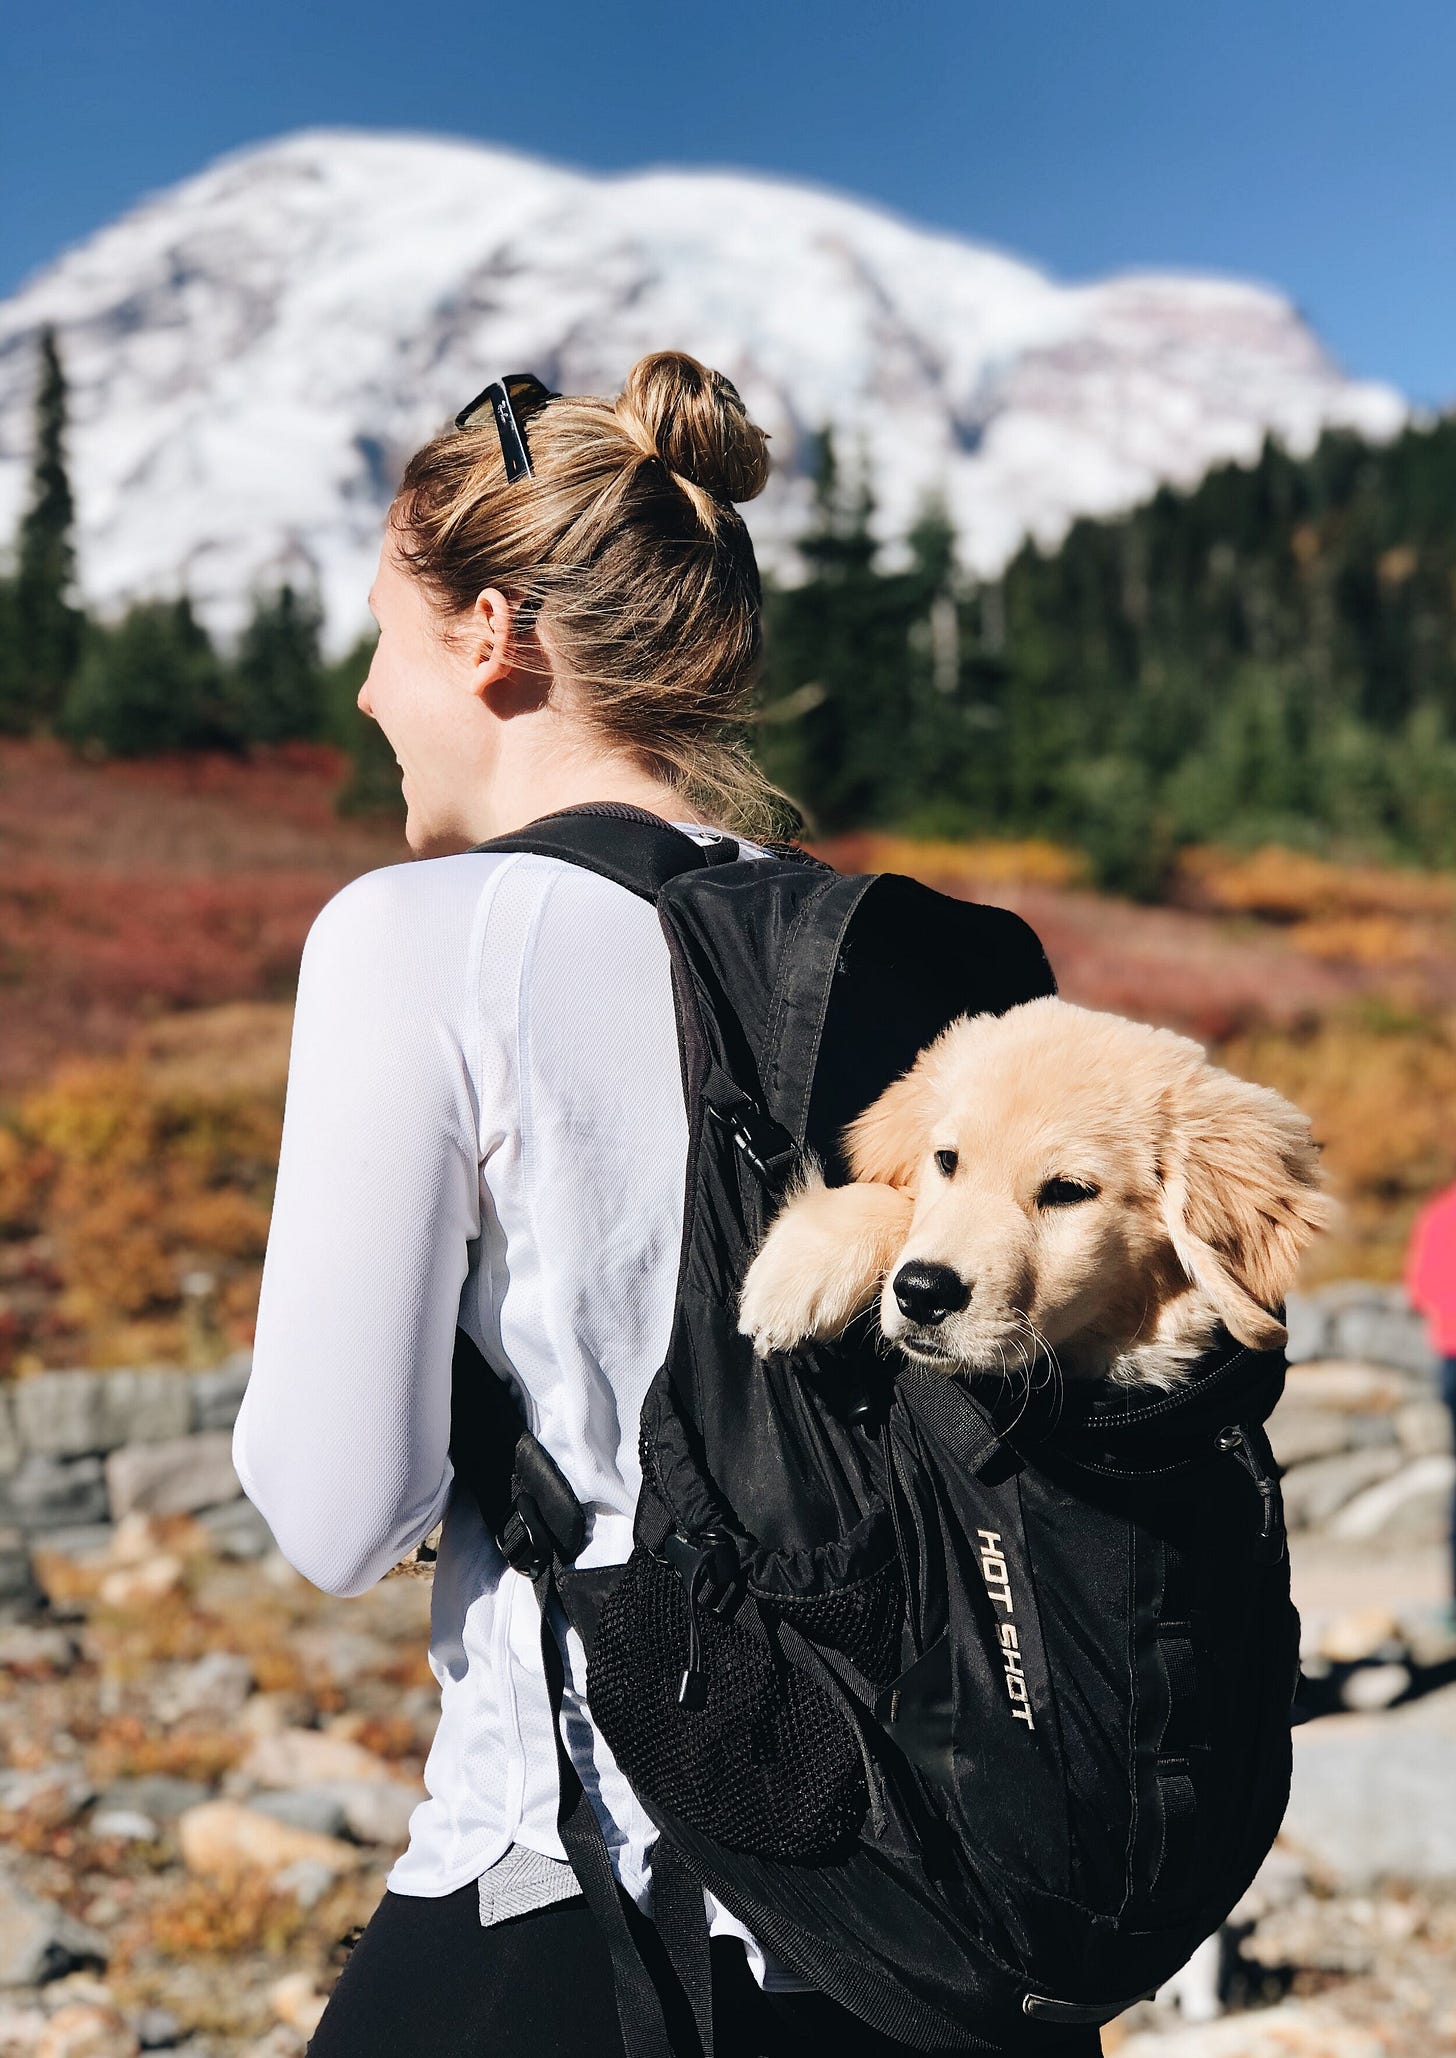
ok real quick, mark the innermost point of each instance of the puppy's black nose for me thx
(928, 1293)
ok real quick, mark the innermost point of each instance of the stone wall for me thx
(1361, 1433)
(81, 1450)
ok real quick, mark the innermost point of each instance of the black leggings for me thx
(425, 1980)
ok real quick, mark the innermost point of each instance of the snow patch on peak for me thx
(254, 352)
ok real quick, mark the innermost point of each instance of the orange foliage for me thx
(134, 1183)
(975, 865)
(127, 1747)
(1383, 1103)
(1291, 886)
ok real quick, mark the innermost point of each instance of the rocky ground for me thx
(209, 1767)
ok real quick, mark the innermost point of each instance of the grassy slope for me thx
(152, 915)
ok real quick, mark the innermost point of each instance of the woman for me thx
(485, 1127)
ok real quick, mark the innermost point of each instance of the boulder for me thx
(11, 1450)
(1299, 1432)
(1349, 1639)
(1413, 1506)
(137, 1586)
(316, 1808)
(51, 1493)
(215, 1685)
(46, 1794)
(1424, 1428)
(85, 2029)
(1383, 1331)
(308, 1757)
(158, 1794)
(236, 1530)
(36, 1648)
(127, 1825)
(296, 2000)
(1345, 1384)
(173, 1478)
(378, 1811)
(217, 1394)
(220, 1839)
(72, 1414)
(1374, 1796)
(38, 1940)
(1314, 1492)
(1294, 2029)
(18, 1590)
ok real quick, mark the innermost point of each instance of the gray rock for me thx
(217, 1394)
(173, 1478)
(1372, 1687)
(1374, 1796)
(306, 1879)
(1413, 1506)
(28, 1645)
(127, 1823)
(57, 1791)
(18, 1590)
(1313, 1492)
(1298, 1433)
(237, 1530)
(1386, 1331)
(81, 1539)
(38, 1940)
(1424, 1429)
(11, 1451)
(157, 2029)
(1308, 1322)
(378, 1811)
(76, 1414)
(48, 1493)
(215, 1685)
(306, 1807)
(157, 1794)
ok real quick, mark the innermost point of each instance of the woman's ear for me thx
(492, 638)
(888, 1141)
(1243, 1197)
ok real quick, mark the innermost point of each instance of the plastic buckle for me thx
(521, 1543)
(758, 1136)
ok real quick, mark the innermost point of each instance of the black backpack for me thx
(974, 1708)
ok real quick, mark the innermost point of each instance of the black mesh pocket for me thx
(771, 1763)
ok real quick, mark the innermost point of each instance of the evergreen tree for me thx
(48, 626)
(276, 688)
(373, 784)
(152, 683)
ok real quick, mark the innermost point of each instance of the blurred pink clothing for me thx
(1430, 1269)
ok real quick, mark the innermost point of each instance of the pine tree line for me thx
(1271, 656)
(154, 680)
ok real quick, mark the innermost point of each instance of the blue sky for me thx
(1307, 143)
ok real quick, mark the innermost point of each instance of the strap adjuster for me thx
(765, 1144)
(524, 1542)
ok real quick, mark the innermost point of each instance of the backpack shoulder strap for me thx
(636, 849)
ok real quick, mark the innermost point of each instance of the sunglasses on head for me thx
(511, 401)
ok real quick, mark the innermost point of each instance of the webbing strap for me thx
(639, 2007)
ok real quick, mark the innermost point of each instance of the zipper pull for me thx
(1234, 1440)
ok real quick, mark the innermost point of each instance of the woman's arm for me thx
(342, 1440)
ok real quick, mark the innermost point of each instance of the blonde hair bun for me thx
(694, 420)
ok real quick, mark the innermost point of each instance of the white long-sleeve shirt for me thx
(484, 1126)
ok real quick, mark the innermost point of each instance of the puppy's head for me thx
(1077, 1176)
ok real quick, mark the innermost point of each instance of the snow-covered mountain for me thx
(254, 353)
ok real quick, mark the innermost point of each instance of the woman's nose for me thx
(364, 707)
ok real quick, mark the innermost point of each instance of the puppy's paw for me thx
(821, 1263)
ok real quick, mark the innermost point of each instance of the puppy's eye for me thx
(1065, 1193)
(947, 1161)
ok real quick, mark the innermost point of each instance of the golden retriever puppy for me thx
(1051, 1185)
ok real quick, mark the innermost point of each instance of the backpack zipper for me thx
(1234, 1441)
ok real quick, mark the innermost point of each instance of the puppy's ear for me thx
(1243, 1197)
(887, 1142)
